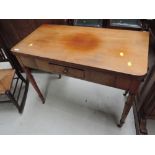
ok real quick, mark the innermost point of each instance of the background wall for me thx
(13, 30)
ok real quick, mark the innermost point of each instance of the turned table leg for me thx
(33, 82)
(127, 108)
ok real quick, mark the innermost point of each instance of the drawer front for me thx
(101, 78)
(89, 75)
(48, 66)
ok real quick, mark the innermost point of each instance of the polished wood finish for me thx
(114, 50)
(110, 57)
(48, 66)
(98, 76)
(126, 109)
(14, 30)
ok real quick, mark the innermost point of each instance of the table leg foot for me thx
(126, 109)
(120, 124)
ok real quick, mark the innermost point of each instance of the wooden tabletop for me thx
(121, 51)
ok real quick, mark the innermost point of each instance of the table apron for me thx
(101, 77)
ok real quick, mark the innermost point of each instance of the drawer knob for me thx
(65, 70)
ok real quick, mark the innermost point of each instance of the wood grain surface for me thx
(122, 51)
